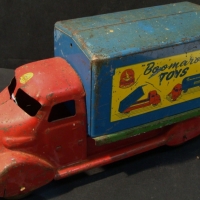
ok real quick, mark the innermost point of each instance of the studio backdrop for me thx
(26, 26)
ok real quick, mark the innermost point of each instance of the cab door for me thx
(65, 132)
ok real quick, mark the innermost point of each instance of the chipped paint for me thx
(57, 35)
(22, 189)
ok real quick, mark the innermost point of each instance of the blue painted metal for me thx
(66, 47)
(97, 46)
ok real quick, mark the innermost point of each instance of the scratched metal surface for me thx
(73, 27)
(111, 35)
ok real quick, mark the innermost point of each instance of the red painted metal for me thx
(34, 150)
(171, 135)
(22, 173)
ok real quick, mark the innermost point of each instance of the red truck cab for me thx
(50, 107)
(43, 115)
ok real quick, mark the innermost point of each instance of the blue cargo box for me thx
(139, 59)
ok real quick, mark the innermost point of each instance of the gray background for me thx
(26, 34)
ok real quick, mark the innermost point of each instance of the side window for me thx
(62, 110)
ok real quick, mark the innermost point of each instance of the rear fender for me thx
(183, 131)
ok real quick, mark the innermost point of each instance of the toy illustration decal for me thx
(153, 85)
(131, 102)
(176, 92)
(127, 78)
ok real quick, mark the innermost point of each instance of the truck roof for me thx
(122, 33)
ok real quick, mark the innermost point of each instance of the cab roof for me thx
(49, 79)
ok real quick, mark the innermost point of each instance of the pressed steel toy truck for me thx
(120, 84)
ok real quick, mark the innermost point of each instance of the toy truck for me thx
(64, 115)
(127, 105)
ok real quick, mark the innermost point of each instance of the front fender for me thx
(21, 173)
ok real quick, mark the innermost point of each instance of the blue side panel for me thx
(98, 47)
(102, 95)
(65, 47)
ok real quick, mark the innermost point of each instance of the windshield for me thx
(23, 100)
(12, 86)
(26, 103)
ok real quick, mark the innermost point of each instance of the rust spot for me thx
(82, 42)
(91, 35)
(25, 66)
(49, 96)
(80, 142)
(39, 116)
(5, 129)
(184, 39)
(185, 137)
(98, 60)
(4, 102)
(59, 148)
(122, 20)
(47, 131)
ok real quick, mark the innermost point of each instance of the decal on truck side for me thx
(131, 102)
(127, 78)
(167, 81)
(26, 77)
